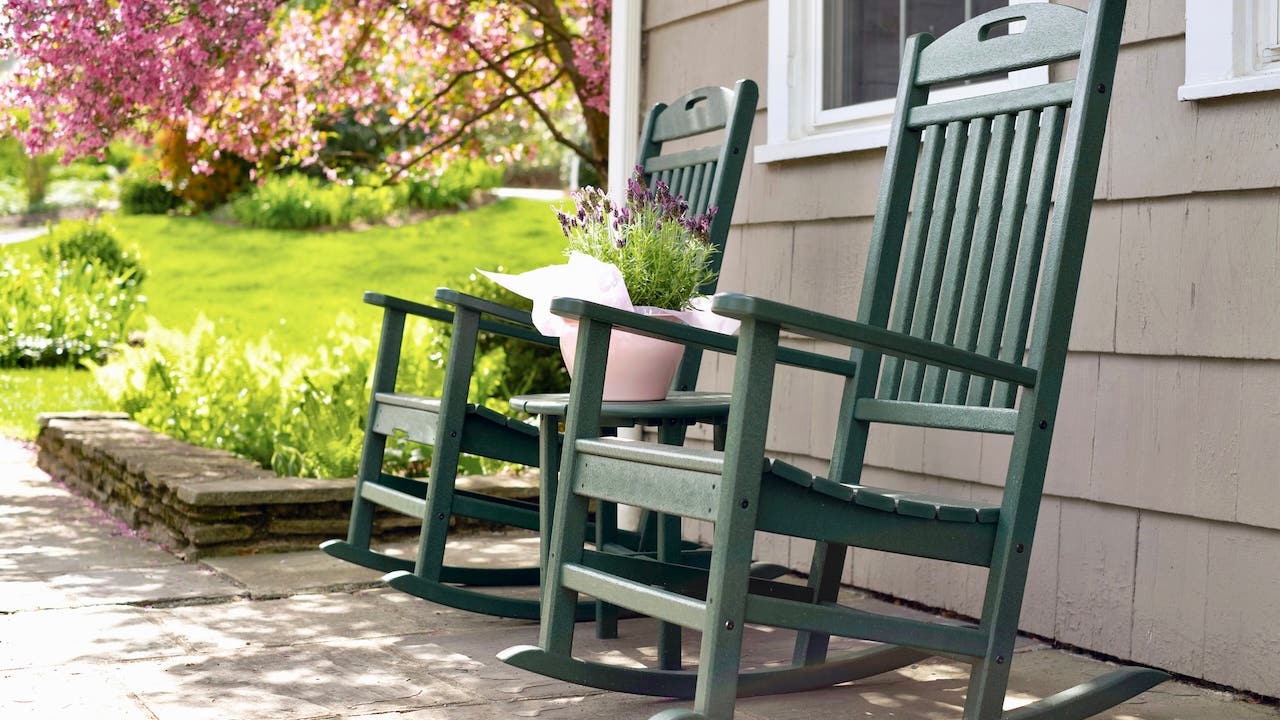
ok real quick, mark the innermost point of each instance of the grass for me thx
(291, 285)
(26, 393)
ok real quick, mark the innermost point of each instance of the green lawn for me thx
(292, 285)
(26, 393)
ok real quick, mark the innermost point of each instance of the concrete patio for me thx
(95, 622)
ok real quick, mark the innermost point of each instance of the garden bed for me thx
(200, 502)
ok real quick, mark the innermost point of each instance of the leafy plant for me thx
(71, 302)
(296, 413)
(663, 253)
(143, 192)
(454, 186)
(282, 203)
(92, 243)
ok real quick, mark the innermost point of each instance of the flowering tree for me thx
(269, 80)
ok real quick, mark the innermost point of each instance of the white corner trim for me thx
(624, 93)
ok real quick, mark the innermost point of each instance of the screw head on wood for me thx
(745, 504)
(728, 625)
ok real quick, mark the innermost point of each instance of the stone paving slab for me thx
(105, 634)
(285, 637)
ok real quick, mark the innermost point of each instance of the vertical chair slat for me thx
(989, 205)
(913, 254)
(1016, 326)
(695, 188)
(686, 181)
(954, 273)
(704, 193)
(1006, 248)
(926, 306)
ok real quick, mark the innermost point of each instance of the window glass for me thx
(863, 40)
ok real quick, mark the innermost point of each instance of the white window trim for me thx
(796, 125)
(1225, 48)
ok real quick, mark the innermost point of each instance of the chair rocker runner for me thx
(941, 341)
(706, 177)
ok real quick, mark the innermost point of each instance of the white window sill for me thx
(1234, 86)
(826, 144)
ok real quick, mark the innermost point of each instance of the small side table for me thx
(672, 417)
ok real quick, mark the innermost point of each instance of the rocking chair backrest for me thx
(707, 177)
(959, 253)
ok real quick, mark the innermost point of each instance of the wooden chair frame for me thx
(965, 243)
(707, 177)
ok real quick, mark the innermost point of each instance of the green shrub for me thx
(58, 310)
(455, 185)
(143, 192)
(92, 243)
(301, 414)
(517, 367)
(288, 202)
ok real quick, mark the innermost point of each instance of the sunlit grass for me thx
(291, 285)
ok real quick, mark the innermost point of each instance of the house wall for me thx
(1159, 534)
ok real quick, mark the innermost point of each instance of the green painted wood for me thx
(1092, 697)
(926, 304)
(343, 550)
(710, 178)
(980, 255)
(694, 337)
(1073, 203)
(788, 509)
(962, 291)
(848, 332)
(486, 603)
(958, 248)
(1013, 208)
(850, 622)
(948, 417)
(662, 489)
(652, 601)
(913, 262)
(856, 665)
(988, 106)
(1051, 33)
(1030, 248)
(694, 113)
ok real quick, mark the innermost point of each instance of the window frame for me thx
(1226, 54)
(797, 125)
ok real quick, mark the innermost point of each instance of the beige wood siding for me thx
(1159, 536)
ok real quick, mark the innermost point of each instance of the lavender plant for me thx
(663, 252)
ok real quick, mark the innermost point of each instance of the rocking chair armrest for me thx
(692, 336)
(408, 307)
(445, 315)
(848, 332)
(488, 307)
(511, 322)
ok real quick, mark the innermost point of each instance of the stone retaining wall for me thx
(198, 501)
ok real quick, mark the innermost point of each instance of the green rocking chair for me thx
(941, 341)
(707, 177)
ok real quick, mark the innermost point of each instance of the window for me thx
(1232, 47)
(833, 69)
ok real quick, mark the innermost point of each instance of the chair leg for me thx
(606, 534)
(448, 444)
(558, 602)
(824, 580)
(722, 630)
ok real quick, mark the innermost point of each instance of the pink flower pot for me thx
(639, 367)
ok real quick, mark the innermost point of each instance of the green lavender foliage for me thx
(662, 252)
